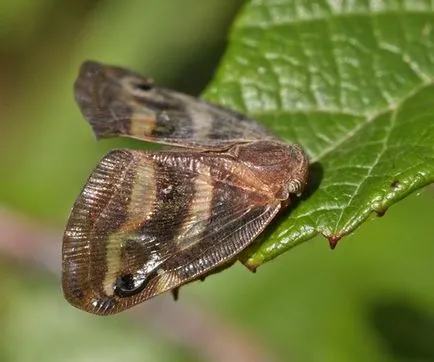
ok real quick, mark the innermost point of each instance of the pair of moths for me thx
(148, 222)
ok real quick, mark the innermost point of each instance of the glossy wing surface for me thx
(146, 223)
(119, 102)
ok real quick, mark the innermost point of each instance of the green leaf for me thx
(352, 82)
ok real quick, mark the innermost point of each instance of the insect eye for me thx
(127, 285)
(295, 187)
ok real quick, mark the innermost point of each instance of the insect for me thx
(148, 222)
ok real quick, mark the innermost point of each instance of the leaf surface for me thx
(350, 81)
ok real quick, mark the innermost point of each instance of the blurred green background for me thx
(371, 299)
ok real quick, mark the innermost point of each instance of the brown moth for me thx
(149, 222)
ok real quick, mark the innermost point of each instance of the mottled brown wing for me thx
(147, 222)
(119, 102)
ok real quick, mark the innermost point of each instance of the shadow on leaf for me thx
(316, 174)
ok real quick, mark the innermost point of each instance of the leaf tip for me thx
(252, 266)
(381, 212)
(333, 240)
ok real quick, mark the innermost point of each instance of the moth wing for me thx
(146, 223)
(119, 102)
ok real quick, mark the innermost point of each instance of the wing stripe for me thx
(174, 195)
(140, 206)
(199, 212)
(91, 221)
